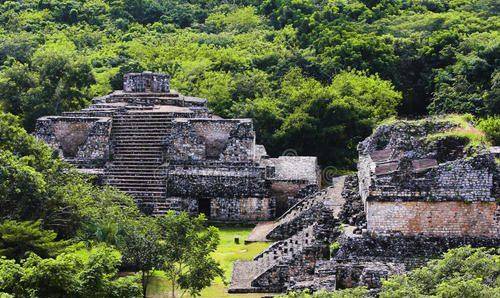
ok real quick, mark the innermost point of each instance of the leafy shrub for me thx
(491, 128)
(462, 272)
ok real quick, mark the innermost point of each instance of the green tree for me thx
(142, 249)
(57, 81)
(358, 292)
(187, 247)
(19, 238)
(331, 121)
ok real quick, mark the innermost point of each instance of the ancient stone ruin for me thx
(422, 187)
(169, 151)
(418, 178)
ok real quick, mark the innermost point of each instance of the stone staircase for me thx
(136, 161)
(267, 271)
(306, 211)
(307, 230)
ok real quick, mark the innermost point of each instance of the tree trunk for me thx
(173, 287)
(144, 284)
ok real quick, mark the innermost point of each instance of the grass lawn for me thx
(226, 254)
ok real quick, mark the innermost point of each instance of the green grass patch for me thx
(464, 130)
(473, 138)
(227, 252)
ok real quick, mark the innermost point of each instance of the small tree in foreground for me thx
(187, 245)
(141, 247)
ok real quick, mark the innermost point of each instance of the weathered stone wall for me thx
(434, 218)
(468, 179)
(241, 209)
(353, 211)
(406, 178)
(353, 274)
(199, 181)
(213, 139)
(289, 193)
(411, 250)
(146, 81)
(82, 140)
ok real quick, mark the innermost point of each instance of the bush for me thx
(82, 273)
(491, 128)
(462, 272)
(358, 292)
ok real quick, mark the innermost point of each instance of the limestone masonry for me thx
(169, 151)
(418, 178)
(421, 189)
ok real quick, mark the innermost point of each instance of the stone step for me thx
(123, 152)
(131, 139)
(155, 121)
(140, 144)
(153, 142)
(143, 148)
(137, 187)
(142, 123)
(139, 126)
(136, 161)
(136, 183)
(152, 158)
(140, 116)
(148, 194)
(136, 173)
(152, 133)
(152, 179)
(147, 189)
(139, 154)
(137, 180)
(133, 175)
(146, 124)
(135, 168)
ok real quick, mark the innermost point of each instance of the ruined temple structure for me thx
(425, 178)
(169, 151)
(422, 187)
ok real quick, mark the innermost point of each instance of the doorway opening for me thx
(204, 207)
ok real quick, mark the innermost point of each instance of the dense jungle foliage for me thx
(316, 75)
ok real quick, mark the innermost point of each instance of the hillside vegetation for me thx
(316, 75)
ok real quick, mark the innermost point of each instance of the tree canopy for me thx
(269, 60)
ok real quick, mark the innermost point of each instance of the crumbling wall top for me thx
(146, 82)
(430, 159)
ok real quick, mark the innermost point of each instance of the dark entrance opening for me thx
(204, 207)
(282, 205)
